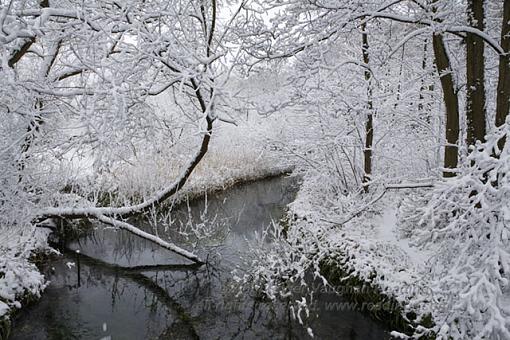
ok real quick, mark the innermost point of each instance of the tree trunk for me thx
(503, 95)
(475, 75)
(369, 124)
(37, 121)
(401, 70)
(451, 102)
(424, 68)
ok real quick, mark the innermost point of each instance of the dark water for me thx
(128, 288)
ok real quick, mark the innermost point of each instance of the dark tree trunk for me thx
(19, 53)
(503, 96)
(424, 68)
(369, 124)
(451, 102)
(475, 75)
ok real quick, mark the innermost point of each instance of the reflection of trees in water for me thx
(198, 295)
(134, 274)
(201, 301)
(221, 312)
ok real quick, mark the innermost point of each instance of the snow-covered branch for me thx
(138, 232)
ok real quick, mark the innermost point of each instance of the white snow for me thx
(375, 243)
(4, 308)
(387, 233)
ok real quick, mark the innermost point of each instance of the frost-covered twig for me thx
(377, 198)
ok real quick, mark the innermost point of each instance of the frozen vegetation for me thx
(394, 113)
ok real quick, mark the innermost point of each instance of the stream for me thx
(122, 287)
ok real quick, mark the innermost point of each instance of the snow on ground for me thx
(387, 234)
(378, 248)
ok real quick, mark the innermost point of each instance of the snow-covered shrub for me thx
(19, 277)
(467, 221)
(285, 267)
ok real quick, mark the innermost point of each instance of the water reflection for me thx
(131, 289)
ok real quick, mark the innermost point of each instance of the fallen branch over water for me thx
(138, 232)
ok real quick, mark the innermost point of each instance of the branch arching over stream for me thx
(114, 215)
(156, 199)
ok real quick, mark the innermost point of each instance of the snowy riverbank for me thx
(371, 248)
(20, 280)
(384, 246)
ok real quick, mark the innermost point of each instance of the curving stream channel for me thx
(126, 288)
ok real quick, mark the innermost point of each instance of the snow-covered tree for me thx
(76, 82)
